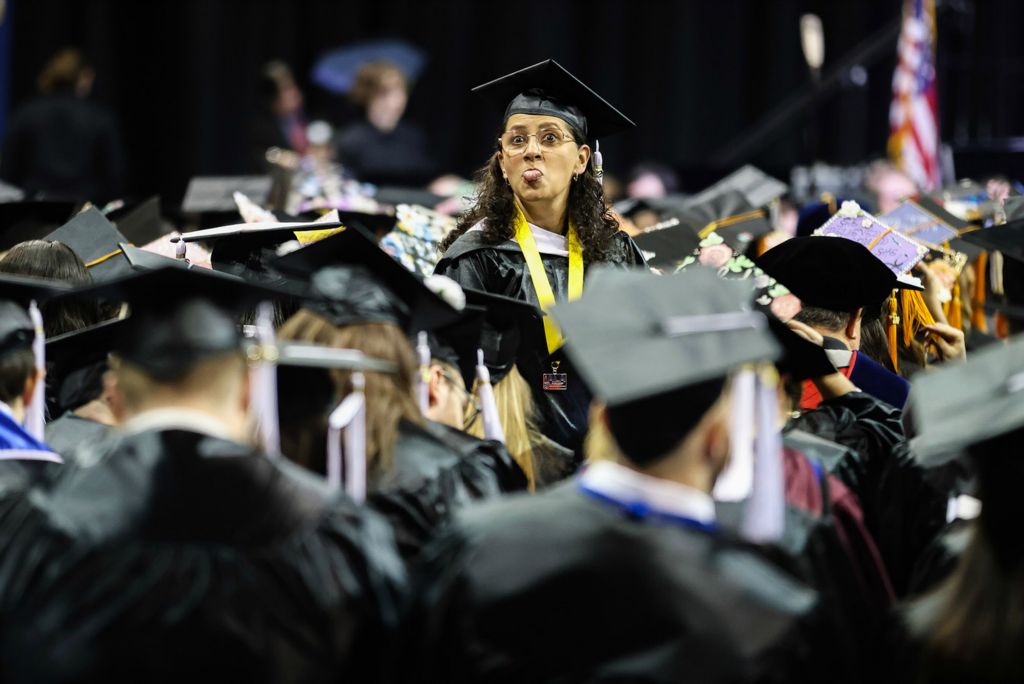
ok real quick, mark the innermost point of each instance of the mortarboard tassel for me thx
(350, 415)
(488, 406)
(978, 320)
(955, 313)
(35, 417)
(180, 249)
(263, 383)
(734, 484)
(891, 332)
(423, 386)
(764, 518)
(915, 315)
(598, 162)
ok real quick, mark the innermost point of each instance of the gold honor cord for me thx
(546, 297)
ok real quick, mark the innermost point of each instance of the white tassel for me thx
(35, 414)
(180, 250)
(488, 406)
(350, 414)
(263, 383)
(735, 482)
(423, 385)
(598, 162)
(764, 519)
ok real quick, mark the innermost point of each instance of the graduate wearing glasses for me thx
(540, 218)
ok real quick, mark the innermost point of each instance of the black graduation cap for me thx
(211, 199)
(548, 89)
(1007, 239)
(664, 247)
(457, 343)
(512, 329)
(246, 249)
(729, 214)
(178, 316)
(31, 220)
(353, 280)
(757, 188)
(16, 329)
(142, 223)
(635, 335)
(96, 242)
(965, 403)
(76, 362)
(830, 272)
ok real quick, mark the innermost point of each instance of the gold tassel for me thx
(955, 315)
(978, 320)
(1002, 326)
(894, 321)
(915, 315)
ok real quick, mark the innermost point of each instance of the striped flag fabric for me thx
(914, 115)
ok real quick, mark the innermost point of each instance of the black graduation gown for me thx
(903, 510)
(70, 432)
(174, 556)
(562, 587)
(501, 269)
(437, 470)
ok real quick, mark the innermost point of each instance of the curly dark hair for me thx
(495, 206)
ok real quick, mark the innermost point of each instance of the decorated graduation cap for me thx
(929, 225)
(548, 89)
(178, 316)
(967, 403)
(97, 242)
(76, 362)
(351, 280)
(31, 220)
(801, 359)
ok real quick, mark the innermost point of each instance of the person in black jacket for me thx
(61, 144)
(178, 551)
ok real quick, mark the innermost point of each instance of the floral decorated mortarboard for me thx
(897, 251)
(801, 359)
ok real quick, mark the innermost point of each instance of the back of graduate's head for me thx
(685, 428)
(390, 397)
(18, 377)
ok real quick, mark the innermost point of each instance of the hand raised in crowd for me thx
(950, 342)
(932, 294)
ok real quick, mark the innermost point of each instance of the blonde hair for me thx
(371, 79)
(389, 397)
(518, 416)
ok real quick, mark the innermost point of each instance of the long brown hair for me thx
(518, 415)
(389, 397)
(496, 207)
(973, 624)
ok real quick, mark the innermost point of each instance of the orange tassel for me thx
(1002, 326)
(915, 315)
(894, 321)
(978, 320)
(955, 314)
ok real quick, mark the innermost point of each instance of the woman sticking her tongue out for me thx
(540, 220)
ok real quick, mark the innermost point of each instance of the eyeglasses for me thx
(466, 396)
(515, 142)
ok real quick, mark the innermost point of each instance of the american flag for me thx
(914, 115)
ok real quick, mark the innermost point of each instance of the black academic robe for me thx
(903, 509)
(501, 269)
(70, 432)
(435, 471)
(174, 556)
(563, 587)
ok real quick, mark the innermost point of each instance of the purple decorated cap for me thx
(898, 252)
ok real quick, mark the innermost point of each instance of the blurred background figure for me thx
(382, 148)
(281, 123)
(60, 144)
(889, 185)
(652, 179)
